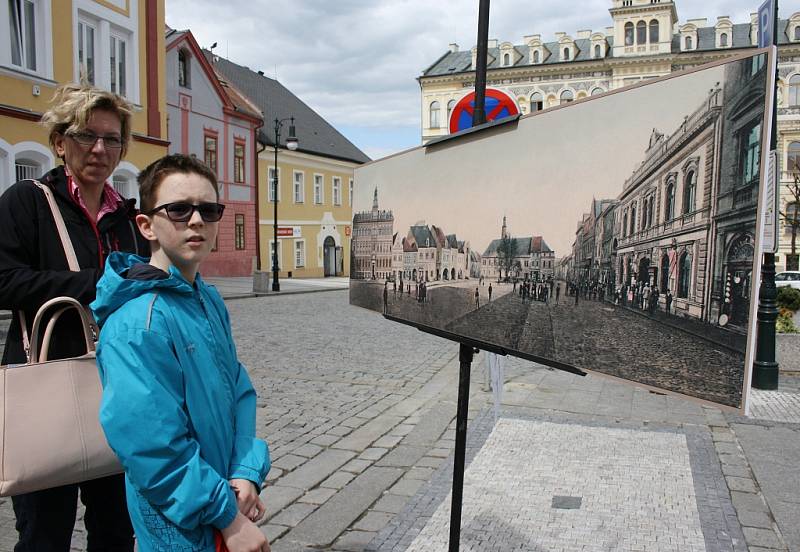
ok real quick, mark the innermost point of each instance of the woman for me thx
(89, 130)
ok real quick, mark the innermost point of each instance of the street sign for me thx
(769, 237)
(289, 231)
(499, 105)
(765, 22)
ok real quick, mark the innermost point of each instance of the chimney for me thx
(453, 47)
(584, 34)
(492, 43)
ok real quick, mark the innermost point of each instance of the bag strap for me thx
(69, 251)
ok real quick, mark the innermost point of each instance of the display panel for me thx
(617, 234)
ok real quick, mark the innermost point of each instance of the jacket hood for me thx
(114, 289)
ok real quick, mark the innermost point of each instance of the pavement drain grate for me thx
(567, 502)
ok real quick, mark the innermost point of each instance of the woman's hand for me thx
(247, 499)
(243, 536)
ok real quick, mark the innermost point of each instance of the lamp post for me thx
(291, 143)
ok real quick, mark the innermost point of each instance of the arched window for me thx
(597, 90)
(567, 96)
(628, 34)
(669, 209)
(645, 209)
(506, 59)
(27, 169)
(632, 229)
(536, 56)
(434, 112)
(684, 275)
(450, 105)
(653, 31)
(537, 103)
(723, 40)
(797, 33)
(664, 273)
(793, 157)
(688, 43)
(650, 210)
(625, 224)
(183, 69)
(794, 90)
(641, 32)
(566, 54)
(689, 191)
(598, 51)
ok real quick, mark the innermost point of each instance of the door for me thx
(329, 256)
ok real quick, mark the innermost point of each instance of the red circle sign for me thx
(499, 105)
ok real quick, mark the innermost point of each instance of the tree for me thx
(791, 218)
(506, 252)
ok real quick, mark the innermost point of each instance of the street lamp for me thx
(291, 143)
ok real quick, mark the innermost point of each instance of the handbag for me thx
(50, 433)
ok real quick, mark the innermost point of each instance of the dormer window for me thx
(797, 33)
(688, 43)
(506, 59)
(598, 51)
(536, 56)
(566, 54)
(723, 40)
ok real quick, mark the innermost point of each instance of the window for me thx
(793, 157)
(597, 90)
(506, 59)
(350, 187)
(792, 216)
(689, 191)
(684, 275)
(794, 90)
(598, 52)
(22, 23)
(797, 33)
(183, 69)
(537, 104)
(238, 162)
(536, 56)
(632, 229)
(299, 254)
(567, 96)
(669, 210)
(450, 105)
(723, 40)
(653, 31)
(274, 178)
(118, 66)
(239, 232)
(299, 183)
(688, 43)
(318, 197)
(641, 32)
(628, 34)
(750, 153)
(86, 51)
(566, 54)
(337, 190)
(27, 170)
(664, 273)
(434, 115)
(210, 152)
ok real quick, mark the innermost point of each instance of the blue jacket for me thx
(178, 408)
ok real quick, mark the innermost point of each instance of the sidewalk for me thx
(242, 287)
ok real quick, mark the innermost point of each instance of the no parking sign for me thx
(499, 105)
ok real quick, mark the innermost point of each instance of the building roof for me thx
(461, 61)
(422, 235)
(525, 246)
(315, 135)
(409, 246)
(373, 216)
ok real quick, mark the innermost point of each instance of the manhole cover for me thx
(567, 502)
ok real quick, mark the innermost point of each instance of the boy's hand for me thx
(247, 499)
(243, 536)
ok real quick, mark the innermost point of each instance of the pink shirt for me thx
(110, 199)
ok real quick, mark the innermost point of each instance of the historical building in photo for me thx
(644, 39)
(372, 243)
(532, 258)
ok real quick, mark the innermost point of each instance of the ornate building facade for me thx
(371, 255)
(645, 40)
(533, 258)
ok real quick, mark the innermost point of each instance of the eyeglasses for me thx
(85, 138)
(182, 211)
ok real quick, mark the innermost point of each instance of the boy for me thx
(178, 408)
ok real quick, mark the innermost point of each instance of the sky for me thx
(356, 62)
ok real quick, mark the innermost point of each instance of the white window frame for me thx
(319, 186)
(302, 243)
(110, 23)
(350, 191)
(301, 196)
(337, 190)
(270, 176)
(43, 41)
(117, 39)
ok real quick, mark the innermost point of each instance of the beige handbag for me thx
(50, 433)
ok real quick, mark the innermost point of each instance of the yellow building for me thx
(315, 192)
(117, 45)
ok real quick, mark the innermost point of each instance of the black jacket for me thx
(33, 266)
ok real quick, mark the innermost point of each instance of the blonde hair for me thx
(73, 105)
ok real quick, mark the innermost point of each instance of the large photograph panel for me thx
(616, 235)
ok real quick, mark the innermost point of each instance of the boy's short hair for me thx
(155, 173)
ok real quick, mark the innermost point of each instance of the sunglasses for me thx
(181, 211)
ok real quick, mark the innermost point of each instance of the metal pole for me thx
(465, 353)
(479, 113)
(765, 369)
(275, 284)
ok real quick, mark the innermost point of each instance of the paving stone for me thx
(274, 473)
(406, 487)
(353, 541)
(762, 537)
(440, 452)
(307, 451)
(325, 440)
(317, 496)
(273, 532)
(437, 419)
(388, 441)
(356, 466)
(339, 431)
(390, 503)
(372, 454)
(402, 430)
(288, 462)
(403, 456)
(424, 474)
(747, 501)
(293, 515)
(373, 521)
(310, 474)
(744, 484)
(367, 434)
(332, 518)
(754, 519)
(338, 480)
(277, 497)
(429, 462)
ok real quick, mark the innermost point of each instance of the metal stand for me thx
(465, 353)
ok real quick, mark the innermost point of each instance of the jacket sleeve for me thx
(22, 286)
(144, 421)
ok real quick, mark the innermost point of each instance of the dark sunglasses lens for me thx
(179, 212)
(211, 212)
